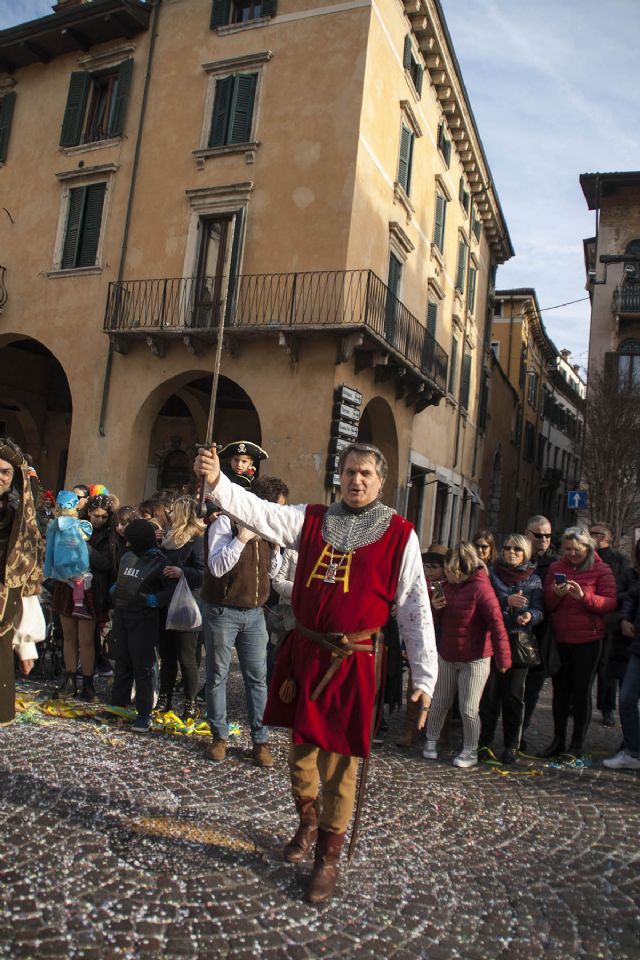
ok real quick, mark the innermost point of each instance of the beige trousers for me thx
(310, 767)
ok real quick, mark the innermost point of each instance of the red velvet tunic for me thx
(366, 583)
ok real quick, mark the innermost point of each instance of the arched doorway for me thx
(35, 406)
(377, 426)
(180, 425)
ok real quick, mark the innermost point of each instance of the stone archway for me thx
(378, 426)
(172, 422)
(36, 405)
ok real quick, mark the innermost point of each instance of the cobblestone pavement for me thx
(120, 846)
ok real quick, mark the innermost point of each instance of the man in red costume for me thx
(356, 557)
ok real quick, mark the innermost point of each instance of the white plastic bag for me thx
(32, 627)
(183, 613)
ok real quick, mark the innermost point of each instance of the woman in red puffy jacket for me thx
(579, 590)
(471, 630)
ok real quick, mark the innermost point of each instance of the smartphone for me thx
(560, 578)
(436, 589)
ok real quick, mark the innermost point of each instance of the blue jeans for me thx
(223, 629)
(629, 696)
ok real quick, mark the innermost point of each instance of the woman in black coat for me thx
(184, 548)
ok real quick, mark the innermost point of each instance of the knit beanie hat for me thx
(141, 536)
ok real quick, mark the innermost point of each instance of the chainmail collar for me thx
(349, 528)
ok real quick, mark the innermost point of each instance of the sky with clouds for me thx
(553, 85)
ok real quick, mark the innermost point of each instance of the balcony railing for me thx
(627, 299)
(331, 300)
(4, 296)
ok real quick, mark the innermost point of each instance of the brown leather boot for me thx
(324, 877)
(306, 835)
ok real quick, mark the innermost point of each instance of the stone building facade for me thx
(543, 424)
(309, 180)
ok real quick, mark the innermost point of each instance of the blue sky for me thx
(554, 88)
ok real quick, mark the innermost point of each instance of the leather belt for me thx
(341, 645)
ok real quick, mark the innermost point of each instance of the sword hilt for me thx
(202, 510)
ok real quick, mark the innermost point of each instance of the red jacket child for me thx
(471, 625)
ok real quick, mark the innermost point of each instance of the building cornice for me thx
(432, 36)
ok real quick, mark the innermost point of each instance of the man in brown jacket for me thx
(236, 584)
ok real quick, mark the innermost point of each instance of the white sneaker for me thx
(430, 750)
(622, 761)
(466, 758)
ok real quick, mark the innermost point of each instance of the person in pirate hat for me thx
(239, 459)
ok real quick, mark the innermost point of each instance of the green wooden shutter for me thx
(220, 11)
(404, 161)
(471, 294)
(221, 109)
(438, 227)
(116, 127)
(91, 223)
(447, 150)
(453, 363)
(77, 198)
(432, 317)
(242, 108)
(465, 385)
(418, 75)
(406, 55)
(236, 248)
(269, 8)
(73, 121)
(6, 115)
(462, 265)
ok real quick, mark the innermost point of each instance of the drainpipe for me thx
(127, 220)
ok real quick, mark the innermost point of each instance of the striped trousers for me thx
(469, 680)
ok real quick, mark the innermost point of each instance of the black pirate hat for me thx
(243, 448)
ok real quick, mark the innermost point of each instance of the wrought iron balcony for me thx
(552, 476)
(355, 304)
(4, 296)
(626, 299)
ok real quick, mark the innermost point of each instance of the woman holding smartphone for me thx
(579, 590)
(519, 591)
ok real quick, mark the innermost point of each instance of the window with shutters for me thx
(453, 364)
(224, 12)
(465, 383)
(471, 292)
(439, 221)
(7, 104)
(412, 66)
(96, 105)
(483, 404)
(476, 223)
(232, 120)
(461, 269)
(444, 144)
(464, 195)
(83, 226)
(405, 159)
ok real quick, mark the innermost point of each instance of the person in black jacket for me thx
(538, 531)
(628, 758)
(139, 593)
(183, 546)
(608, 672)
(519, 591)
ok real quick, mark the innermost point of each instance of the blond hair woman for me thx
(183, 545)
